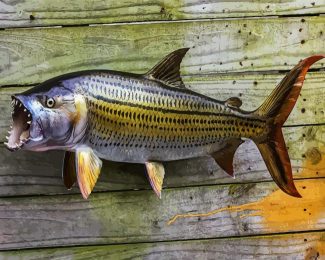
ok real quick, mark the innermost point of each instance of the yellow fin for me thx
(156, 173)
(88, 169)
(69, 175)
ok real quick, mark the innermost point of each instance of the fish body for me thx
(134, 119)
(150, 119)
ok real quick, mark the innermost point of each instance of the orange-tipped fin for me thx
(281, 101)
(88, 167)
(278, 163)
(276, 109)
(156, 174)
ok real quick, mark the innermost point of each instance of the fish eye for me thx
(50, 102)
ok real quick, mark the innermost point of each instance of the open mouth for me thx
(19, 133)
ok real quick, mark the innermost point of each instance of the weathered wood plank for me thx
(251, 88)
(139, 216)
(216, 46)
(28, 173)
(58, 12)
(290, 246)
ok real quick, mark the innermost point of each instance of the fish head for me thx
(48, 118)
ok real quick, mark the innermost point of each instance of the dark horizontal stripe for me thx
(114, 101)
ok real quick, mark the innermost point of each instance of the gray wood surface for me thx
(31, 56)
(58, 12)
(139, 216)
(123, 219)
(290, 246)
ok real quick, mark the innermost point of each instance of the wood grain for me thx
(123, 218)
(30, 173)
(57, 12)
(31, 56)
(139, 216)
(291, 246)
(251, 88)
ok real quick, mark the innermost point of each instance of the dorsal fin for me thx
(234, 102)
(167, 70)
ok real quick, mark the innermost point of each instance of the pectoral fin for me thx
(225, 156)
(156, 173)
(88, 169)
(69, 175)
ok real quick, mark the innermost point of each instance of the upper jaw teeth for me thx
(14, 104)
(19, 112)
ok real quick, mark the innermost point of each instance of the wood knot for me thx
(314, 155)
(312, 254)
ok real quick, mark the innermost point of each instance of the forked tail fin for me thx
(276, 109)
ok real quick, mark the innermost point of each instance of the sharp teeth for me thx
(25, 110)
(28, 115)
(29, 122)
(5, 143)
(16, 102)
(7, 137)
(11, 127)
(20, 105)
(9, 132)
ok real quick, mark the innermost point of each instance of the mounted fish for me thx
(149, 119)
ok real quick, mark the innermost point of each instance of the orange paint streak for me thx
(281, 212)
(316, 250)
(320, 246)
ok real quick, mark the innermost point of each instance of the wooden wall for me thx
(238, 48)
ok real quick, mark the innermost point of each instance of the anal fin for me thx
(69, 175)
(88, 169)
(156, 174)
(224, 157)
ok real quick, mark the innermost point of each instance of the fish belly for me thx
(142, 155)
